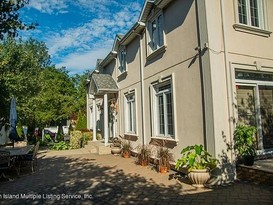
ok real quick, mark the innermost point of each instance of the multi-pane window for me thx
(164, 110)
(155, 29)
(130, 112)
(250, 12)
(122, 60)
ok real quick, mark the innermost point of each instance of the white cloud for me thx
(80, 62)
(96, 31)
(77, 48)
(49, 6)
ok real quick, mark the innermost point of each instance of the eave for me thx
(132, 33)
(111, 56)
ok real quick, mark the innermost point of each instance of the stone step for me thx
(92, 149)
(98, 147)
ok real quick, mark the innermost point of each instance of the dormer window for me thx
(122, 60)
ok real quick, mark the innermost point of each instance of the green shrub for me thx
(47, 138)
(62, 145)
(60, 137)
(81, 122)
(75, 139)
(86, 136)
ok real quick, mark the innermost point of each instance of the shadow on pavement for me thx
(66, 180)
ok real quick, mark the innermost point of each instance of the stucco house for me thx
(185, 74)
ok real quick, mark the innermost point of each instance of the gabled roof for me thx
(132, 33)
(148, 5)
(116, 42)
(102, 83)
(111, 56)
(146, 10)
(98, 63)
(137, 28)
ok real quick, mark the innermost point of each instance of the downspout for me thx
(142, 89)
(228, 74)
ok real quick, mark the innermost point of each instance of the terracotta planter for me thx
(163, 169)
(199, 177)
(126, 154)
(115, 150)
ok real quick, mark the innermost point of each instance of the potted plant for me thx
(116, 146)
(198, 163)
(126, 149)
(245, 143)
(143, 156)
(164, 157)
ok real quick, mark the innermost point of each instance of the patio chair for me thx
(31, 157)
(6, 162)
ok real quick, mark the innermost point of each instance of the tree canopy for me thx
(45, 95)
(10, 22)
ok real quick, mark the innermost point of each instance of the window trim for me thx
(152, 52)
(154, 112)
(126, 113)
(262, 30)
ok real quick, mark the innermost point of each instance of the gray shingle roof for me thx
(104, 83)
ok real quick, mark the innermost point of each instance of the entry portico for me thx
(102, 90)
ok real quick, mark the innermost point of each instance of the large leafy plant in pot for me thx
(198, 163)
(245, 143)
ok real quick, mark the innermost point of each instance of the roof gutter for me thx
(162, 3)
(132, 33)
(111, 56)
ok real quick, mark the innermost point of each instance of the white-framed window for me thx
(122, 59)
(155, 33)
(163, 110)
(130, 113)
(251, 13)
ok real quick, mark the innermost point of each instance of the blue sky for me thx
(78, 32)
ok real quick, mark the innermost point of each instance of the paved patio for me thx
(78, 177)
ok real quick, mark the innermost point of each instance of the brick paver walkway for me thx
(76, 177)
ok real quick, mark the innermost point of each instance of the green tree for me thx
(79, 82)
(9, 18)
(45, 95)
(20, 64)
(81, 121)
(54, 104)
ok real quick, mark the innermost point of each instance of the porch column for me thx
(94, 120)
(105, 114)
